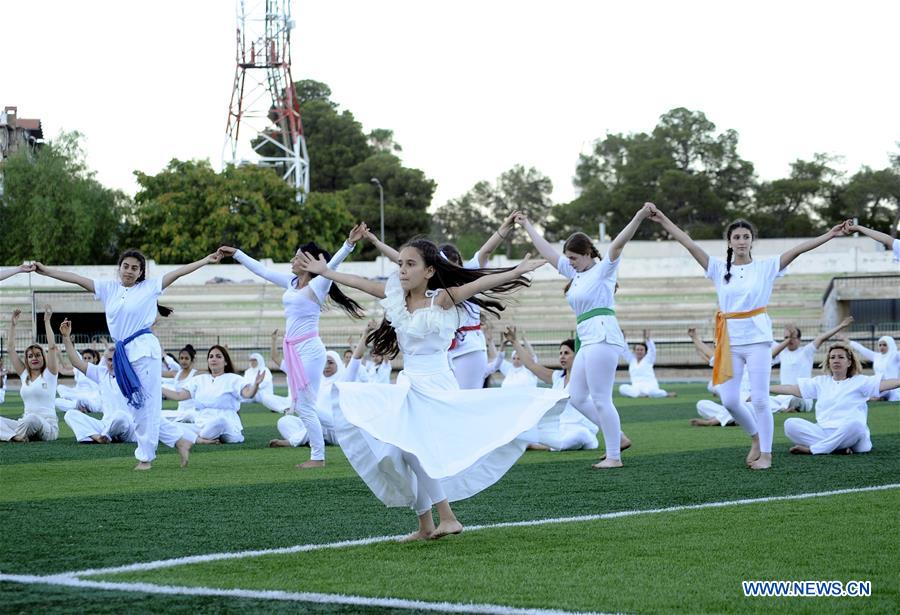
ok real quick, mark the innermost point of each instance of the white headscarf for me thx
(883, 359)
(251, 372)
(324, 400)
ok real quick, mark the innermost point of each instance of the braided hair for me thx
(446, 275)
(739, 223)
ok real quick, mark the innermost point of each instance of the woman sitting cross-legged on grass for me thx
(217, 399)
(39, 375)
(640, 370)
(841, 406)
(423, 441)
(563, 428)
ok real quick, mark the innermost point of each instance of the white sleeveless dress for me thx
(466, 439)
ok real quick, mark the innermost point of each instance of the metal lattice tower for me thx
(264, 116)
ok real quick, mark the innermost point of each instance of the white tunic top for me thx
(840, 401)
(111, 399)
(884, 364)
(796, 364)
(380, 373)
(38, 396)
(130, 309)
(896, 249)
(749, 288)
(220, 393)
(517, 376)
(594, 288)
(302, 306)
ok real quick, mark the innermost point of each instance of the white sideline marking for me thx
(397, 603)
(70, 579)
(212, 557)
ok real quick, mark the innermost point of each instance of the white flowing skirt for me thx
(466, 439)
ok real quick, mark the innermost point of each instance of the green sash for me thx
(587, 316)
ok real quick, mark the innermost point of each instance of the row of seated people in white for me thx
(842, 395)
(640, 371)
(885, 362)
(39, 421)
(85, 395)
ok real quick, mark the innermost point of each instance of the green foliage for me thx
(54, 211)
(188, 210)
(872, 196)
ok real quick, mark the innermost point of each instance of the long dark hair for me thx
(446, 275)
(579, 243)
(570, 344)
(229, 366)
(163, 310)
(335, 293)
(739, 223)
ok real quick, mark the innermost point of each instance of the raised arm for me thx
(777, 348)
(683, 238)
(282, 280)
(878, 236)
(249, 390)
(65, 329)
(320, 285)
(544, 374)
(180, 395)
(275, 352)
(705, 350)
(651, 347)
(387, 251)
(788, 257)
(825, 336)
(625, 235)
(170, 277)
(785, 389)
(15, 361)
(868, 355)
(496, 238)
(52, 350)
(543, 246)
(65, 276)
(6, 273)
(889, 383)
(458, 294)
(320, 267)
(61, 369)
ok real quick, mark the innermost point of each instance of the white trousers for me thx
(292, 429)
(30, 426)
(783, 403)
(117, 427)
(216, 428)
(469, 369)
(709, 409)
(590, 391)
(569, 437)
(149, 428)
(641, 390)
(822, 441)
(757, 359)
(312, 354)
(428, 490)
(275, 403)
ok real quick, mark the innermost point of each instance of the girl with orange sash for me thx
(743, 327)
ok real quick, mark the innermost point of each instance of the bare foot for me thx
(537, 447)
(704, 422)
(19, 439)
(208, 441)
(445, 528)
(606, 464)
(419, 535)
(842, 451)
(143, 465)
(671, 394)
(624, 444)
(763, 463)
(100, 439)
(753, 455)
(312, 463)
(279, 443)
(800, 450)
(184, 450)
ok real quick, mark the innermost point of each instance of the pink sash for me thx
(297, 380)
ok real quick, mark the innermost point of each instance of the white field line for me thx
(211, 557)
(397, 603)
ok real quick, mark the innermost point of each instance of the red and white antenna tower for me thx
(264, 116)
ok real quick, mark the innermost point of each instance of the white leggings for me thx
(641, 390)
(428, 490)
(592, 396)
(469, 369)
(149, 428)
(821, 441)
(757, 358)
(312, 354)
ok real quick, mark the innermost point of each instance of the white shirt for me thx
(302, 306)
(896, 247)
(380, 373)
(39, 395)
(594, 288)
(130, 309)
(472, 340)
(641, 372)
(518, 376)
(796, 363)
(840, 401)
(111, 398)
(749, 288)
(220, 393)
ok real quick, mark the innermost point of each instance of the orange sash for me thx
(722, 368)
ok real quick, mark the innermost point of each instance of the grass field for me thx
(68, 508)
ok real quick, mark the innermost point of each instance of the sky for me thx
(470, 88)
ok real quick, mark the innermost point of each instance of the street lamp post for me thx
(375, 181)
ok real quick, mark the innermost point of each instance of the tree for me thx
(382, 140)
(53, 210)
(871, 196)
(463, 221)
(188, 210)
